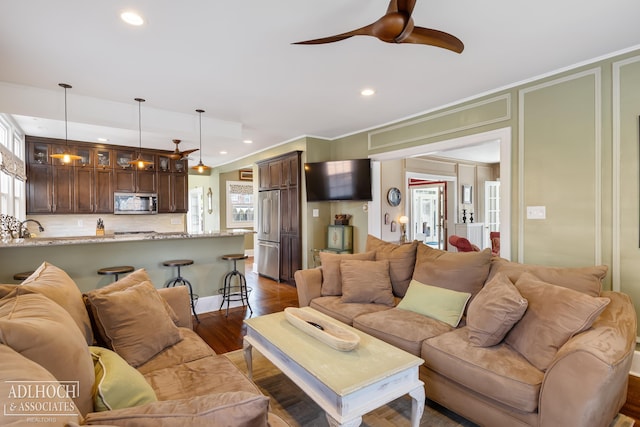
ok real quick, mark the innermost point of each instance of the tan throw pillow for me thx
(331, 278)
(366, 282)
(402, 259)
(587, 280)
(458, 271)
(55, 284)
(554, 315)
(42, 331)
(135, 278)
(494, 311)
(135, 322)
(17, 371)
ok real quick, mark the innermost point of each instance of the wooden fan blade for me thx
(175, 156)
(405, 6)
(421, 35)
(185, 153)
(364, 31)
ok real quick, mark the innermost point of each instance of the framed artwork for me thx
(386, 219)
(467, 193)
(246, 174)
(393, 226)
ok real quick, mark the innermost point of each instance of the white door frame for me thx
(503, 135)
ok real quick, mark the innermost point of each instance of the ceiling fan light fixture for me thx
(200, 167)
(66, 156)
(139, 161)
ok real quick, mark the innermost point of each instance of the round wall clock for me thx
(394, 196)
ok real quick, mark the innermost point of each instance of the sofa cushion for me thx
(344, 312)
(129, 280)
(402, 259)
(211, 374)
(55, 284)
(136, 323)
(238, 409)
(496, 372)
(587, 280)
(118, 385)
(554, 315)
(433, 301)
(190, 348)
(366, 282)
(401, 328)
(458, 271)
(17, 370)
(331, 277)
(44, 332)
(494, 311)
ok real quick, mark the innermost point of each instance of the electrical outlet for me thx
(536, 212)
(176, 220)
(316, 213)
(80, 223)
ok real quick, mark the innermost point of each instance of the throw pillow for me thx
(331, 278)
(366, 282)
(435, 302)
(118, 385)
(494, 311)
(554, 315)
(587, 280)
(402, 259)
(458, 271)
(137, 277)
(42, 331)
(136, 323)
(55, 284)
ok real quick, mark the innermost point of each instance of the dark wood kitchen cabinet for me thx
(87, 185)
(283, 173)
(172, 192)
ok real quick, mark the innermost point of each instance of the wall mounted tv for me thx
(338, 180)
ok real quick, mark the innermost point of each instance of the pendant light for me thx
(200, 167)
(139, 161)
(66, 156)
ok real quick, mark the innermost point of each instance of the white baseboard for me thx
(212, 303)
(635, 364)
(248, 252)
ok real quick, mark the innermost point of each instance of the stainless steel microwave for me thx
(135, 203)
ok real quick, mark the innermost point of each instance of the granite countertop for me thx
(111, 238)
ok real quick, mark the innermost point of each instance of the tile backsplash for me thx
(85, 225)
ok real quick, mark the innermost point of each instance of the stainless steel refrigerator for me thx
(269, 234)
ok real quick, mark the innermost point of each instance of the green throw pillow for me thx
(118, 385)
(435, 302)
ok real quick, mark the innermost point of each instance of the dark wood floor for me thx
(225, 334)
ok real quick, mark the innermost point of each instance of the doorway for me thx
(428, 219)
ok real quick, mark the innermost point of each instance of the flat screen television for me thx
(339, 180)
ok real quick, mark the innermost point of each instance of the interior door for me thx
(429, 213)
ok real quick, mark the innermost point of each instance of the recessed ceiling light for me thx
(132, 18)
(223, 152)
(103, 139)
(367, 92)
(247, 141)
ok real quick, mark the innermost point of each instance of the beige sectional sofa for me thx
(504, 344)
(122, 355)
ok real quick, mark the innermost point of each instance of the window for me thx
(240, 207)
(12, 186)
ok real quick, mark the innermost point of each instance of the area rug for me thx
(290, 403)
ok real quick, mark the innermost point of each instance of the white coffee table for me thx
(346, 385)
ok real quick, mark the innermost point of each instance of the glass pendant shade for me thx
(200, 167)
(66, 156)
(139, 161)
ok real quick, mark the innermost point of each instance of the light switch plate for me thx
(176, 220)
(316, 213)
(536, 212)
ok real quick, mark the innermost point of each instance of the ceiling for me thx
(235, 60)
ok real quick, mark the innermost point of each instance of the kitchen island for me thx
(82, 256)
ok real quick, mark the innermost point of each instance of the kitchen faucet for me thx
(23, 232)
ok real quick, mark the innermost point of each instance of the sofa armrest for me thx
(179, 300)
(239, 408)
(308, 285)
(586, 384)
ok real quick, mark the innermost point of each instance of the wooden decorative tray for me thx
(331, 334)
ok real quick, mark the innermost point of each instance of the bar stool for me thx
(115, 271)
(238, 292)
(21, 276)
(179, 280)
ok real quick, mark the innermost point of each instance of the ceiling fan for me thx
(396, 26)
(180, 155)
